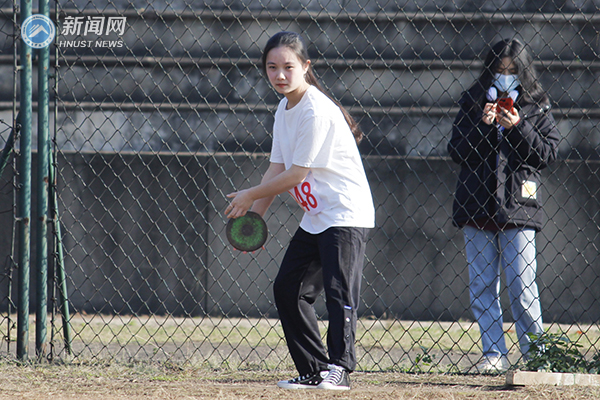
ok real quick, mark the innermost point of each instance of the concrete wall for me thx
(145, 234)
(401, 69)
(405, 104)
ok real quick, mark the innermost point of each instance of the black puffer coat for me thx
(500, 170)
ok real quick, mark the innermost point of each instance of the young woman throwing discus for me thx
(316, 159)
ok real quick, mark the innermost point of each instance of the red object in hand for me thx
(506, 103)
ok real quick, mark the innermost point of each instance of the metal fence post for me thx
(24, 207)
(42, 194)
(61, 282)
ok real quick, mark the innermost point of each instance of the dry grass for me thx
(144, 381)
(152, 357)
(258, 344)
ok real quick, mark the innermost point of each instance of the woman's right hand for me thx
(241, 203)
(489, 113)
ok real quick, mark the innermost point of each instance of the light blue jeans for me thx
(514, 250)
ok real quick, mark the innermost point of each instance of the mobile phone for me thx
(506, 103)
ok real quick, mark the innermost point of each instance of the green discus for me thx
(247, 233)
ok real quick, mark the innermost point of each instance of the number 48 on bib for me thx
(306, 196)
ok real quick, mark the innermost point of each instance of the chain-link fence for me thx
(160, 110)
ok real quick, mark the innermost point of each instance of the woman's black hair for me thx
(294, 42)
(530, 90)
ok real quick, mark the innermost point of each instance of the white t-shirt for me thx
(314, 134)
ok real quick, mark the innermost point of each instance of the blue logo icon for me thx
(38, 31)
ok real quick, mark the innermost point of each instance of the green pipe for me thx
(43, 146)
(24, 198)
(58, 243)
(60, 266)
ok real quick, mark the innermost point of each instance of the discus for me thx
(247, 233)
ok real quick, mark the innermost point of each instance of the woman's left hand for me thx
(241, 203)
(508, 119)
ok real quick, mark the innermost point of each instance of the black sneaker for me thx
(304, 382)
(336, 379)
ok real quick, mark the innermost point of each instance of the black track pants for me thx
(332, 261)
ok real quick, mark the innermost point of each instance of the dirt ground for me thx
(148, 382)
(133, 358)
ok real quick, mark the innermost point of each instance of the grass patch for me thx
(258, 344)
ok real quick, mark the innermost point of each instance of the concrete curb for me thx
(526, 378)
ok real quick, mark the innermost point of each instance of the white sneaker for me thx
(337, 379)
(492, 365)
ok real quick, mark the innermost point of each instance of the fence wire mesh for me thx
(161, 109)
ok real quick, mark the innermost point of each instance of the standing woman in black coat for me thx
(497, 202)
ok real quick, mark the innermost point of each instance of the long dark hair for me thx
(530, 90)
(294, 42)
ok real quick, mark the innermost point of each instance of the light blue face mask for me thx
(506, 83)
